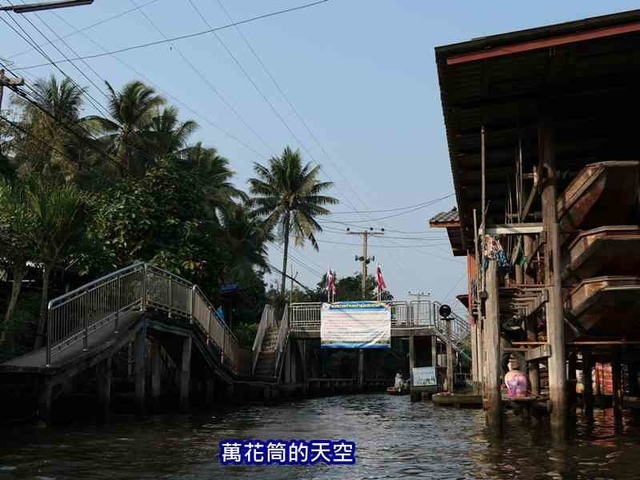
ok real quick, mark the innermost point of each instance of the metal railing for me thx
(75, 316)
(281, 343)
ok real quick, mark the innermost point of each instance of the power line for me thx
(88, 27)
(297, 114)
(176, 99)
(184, 37)
(422, 204)
(206, 81)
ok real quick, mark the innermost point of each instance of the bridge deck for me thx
(37, 359)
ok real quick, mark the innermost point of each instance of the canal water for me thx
(395, 439)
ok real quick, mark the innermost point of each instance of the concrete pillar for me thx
(587, 379)
(555, 311)
(450, 387)
(533, 368)
(185, 373)
(616, 373)
(412, 353)
(474, 356)
(156, 374)
(211, 390)
(480, 354)
(103, 378)
(140, 348)
(302, 350)
(361, 369)
(44, 401)
(492, 391)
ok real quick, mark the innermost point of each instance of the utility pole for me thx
(292, 277)
(8, 82)
(365, 259)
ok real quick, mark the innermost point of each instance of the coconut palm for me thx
(246, 238)
(289, 196)
(167, 135)
(132, 111)
(215, 172)
(54, 128)
(60, 216)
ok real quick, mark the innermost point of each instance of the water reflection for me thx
(395, 438)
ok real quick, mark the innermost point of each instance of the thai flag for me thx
(331, 282)
(380, 280)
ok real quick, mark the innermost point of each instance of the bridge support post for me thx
(361, 369)
(412, 353)
(44, 401)
(185, 373)
(211, 389)
(156, 375)
(103, 377)
(492, 393)
(140, 368)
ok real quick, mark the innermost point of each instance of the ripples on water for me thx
(395, 439)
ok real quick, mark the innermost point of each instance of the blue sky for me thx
(361, 74)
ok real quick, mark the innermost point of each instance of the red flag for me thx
(331, 287)
(380, 279)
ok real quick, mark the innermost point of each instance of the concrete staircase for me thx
(266, 366)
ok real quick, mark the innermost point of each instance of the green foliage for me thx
(289, 196)
(87, 195)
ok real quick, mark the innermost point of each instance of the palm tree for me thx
(289, 196)
(167, 135)
(55, 128)
(214, 170)
(132, 111)
(59, 214)
(246, 239)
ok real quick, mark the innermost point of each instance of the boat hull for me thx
(606, 305)
(611, 249)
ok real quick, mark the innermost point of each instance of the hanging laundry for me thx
(493, 251)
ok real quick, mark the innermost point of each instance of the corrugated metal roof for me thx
(446, 217)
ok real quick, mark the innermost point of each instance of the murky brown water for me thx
(395, 439)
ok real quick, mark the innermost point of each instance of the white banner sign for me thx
(424, 377)
(355, 325)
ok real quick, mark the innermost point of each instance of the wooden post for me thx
(616, 373)
(587, 379)
(572, 380)
(185, 373)
(533, 367)
(528, 252)
(492, 391)
(450, 386)
(519, 277)
(103, 377)
(140, 370)
(156, 374)
(555, 311)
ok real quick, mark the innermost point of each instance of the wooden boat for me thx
(604, 250)
(397, 391)
(603, 193)
(609, 305)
